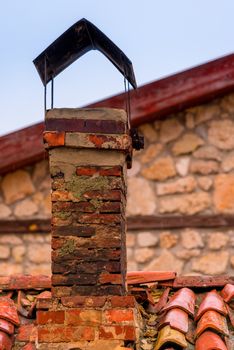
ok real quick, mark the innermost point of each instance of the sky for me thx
(161, 37)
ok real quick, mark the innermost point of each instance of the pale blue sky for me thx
(161, 37)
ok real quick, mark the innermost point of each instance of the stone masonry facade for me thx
(186, 168)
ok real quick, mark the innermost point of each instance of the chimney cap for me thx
(76, 41)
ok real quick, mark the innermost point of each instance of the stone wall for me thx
(186, 168)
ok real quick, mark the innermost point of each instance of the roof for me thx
(178, 312)
(148, 103)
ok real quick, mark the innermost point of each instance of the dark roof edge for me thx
(148, 103)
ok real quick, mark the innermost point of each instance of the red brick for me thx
(54, 138)
(76, 317)
(105, 278)
(29, 346)
(123, 301)
(78, 231)
(112, 195)
(117, 332)
(119, 315)
(27, 332)
(95, 218)
(57, 334)
(55, 317)
(78, 300)
(86, 125)
(103, 171)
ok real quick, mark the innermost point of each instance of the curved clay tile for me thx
(210, 341)
(5, 341)
(212, 319)
(176, 319)
(183, 299)
(6, 326)
(227, 293)
(231, 315)
(172, 336)
(162, 301)
(212, 301)
(140, 277)
(8, 310)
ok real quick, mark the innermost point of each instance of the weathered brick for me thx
(110, 195)
(76, 317)
(56, 334)
(54, 138)
(74, 266)
(64, 207)
(106, 278)
(94, 290)
(123, 301)
(44, 304)
(78, 300)
(74, 279)
(27, 332)
(119, 315)
(70, 230)
(86, 125)
(55, 317)
(103, 171)
(117, 332)
(95, 218)
(86, 254)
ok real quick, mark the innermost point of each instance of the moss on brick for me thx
(68, 248)
(78, 185)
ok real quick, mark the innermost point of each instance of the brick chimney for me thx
(89, 150)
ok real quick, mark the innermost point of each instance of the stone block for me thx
(143, 255)
(220, 134)
(182, 165)
(217, 240)
(191, 239)
(147, 239)
(141, 198)
(186, 184)
(166, 262)
(161, 169)
(188, 143)
(168, 239)
(204, 167)
(228, 162)
(16, 185)
(151, 152)
(224, 193)
(212, 263)
(208, 152)
(25, 208)
(185, 204)
(170, 130)
(5, 211)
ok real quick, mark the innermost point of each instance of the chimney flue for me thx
(88, 153)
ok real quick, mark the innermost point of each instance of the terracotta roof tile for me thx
(212, 320)
(212, 301)
(183, 299)
(167, 335)
(227, 292)
(162, 301)
(8, 310)
(176, 319)
(6, 326)
(5, 341)
(139, 277)
(170, 314)
(210, 341)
